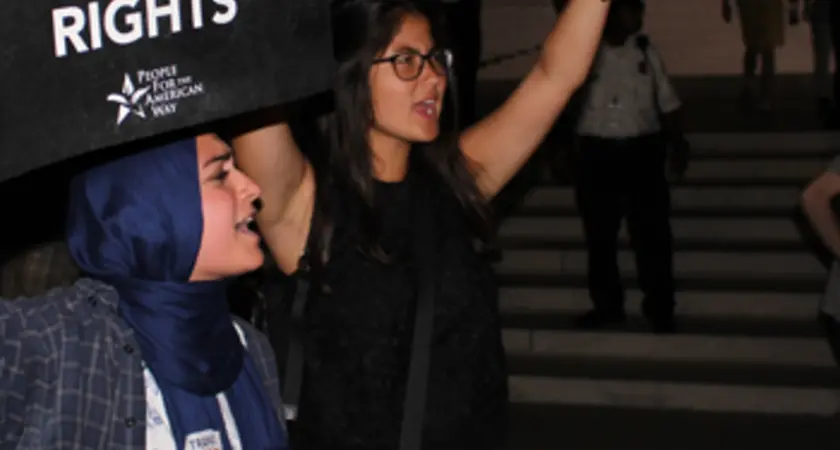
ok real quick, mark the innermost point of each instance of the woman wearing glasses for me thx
(389, 160)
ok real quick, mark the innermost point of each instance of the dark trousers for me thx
(463, 29)
(626, 179)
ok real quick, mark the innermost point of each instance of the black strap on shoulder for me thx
(294, 359)
(304, 279)
(643, 44)
(411, 432)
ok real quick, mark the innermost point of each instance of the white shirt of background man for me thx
(618, 100)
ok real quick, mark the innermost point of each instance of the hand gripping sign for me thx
(81, 75)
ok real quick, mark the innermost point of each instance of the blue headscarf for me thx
(136, 224)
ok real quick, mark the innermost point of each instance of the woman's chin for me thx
(250, 261)
(257, 261)
(425, 136)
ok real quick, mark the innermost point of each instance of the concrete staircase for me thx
(749, 368)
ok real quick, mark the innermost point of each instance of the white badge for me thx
(154, 419)
(204, 440)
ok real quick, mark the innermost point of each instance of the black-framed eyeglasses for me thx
(408, 65)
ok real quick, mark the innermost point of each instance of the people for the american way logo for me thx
(129, 100)
(157, 92)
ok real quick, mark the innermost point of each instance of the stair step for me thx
(699, 244)
(773, 233)
(811, 352)
(750, 366)
(703, 372)
(544, 427)
(545, 178)
(755, 266)
(753, 145)
(722, 170)
(779, 200)
(768, 212)
(748, 305)
(698, 282)
(761, 169)
(673, 396)
(779, 327)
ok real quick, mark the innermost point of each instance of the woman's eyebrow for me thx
(219, 158)
(407, 49)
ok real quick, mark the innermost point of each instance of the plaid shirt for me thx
(71, 376)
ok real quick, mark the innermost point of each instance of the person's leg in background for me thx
(749, 90)
(834, 20)
(762, 28)
(598, 191)
(770, 35)
(767, 86)
(750, 29)
(649, 226)
(820, 24)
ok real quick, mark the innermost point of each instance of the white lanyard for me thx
(159, 432)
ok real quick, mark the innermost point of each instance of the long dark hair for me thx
(341, 154)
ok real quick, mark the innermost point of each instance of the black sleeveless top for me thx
(359, 329)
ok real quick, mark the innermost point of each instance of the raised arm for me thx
(502, 142)
(271, 157)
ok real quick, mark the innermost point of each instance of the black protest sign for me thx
(80, 75)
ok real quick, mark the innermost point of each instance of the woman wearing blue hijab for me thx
(144, 353)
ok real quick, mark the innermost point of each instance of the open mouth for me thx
(247, 225)
(427, 108)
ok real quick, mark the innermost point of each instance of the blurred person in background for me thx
(818, 15)
(763, 31)
(627, 121)
(34, 257)
(37, 269)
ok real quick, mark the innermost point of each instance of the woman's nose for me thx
(247, 187)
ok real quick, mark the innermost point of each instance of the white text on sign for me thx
(123, 22)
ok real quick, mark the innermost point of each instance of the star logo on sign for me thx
(129, 100)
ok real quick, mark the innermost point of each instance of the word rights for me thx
(78, 30)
